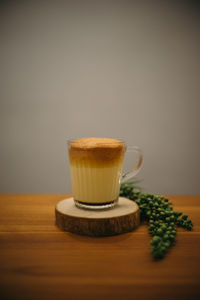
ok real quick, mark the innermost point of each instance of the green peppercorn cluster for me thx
(162, 219)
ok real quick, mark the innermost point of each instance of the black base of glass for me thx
(95, 206)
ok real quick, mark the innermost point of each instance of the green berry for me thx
(166, 237)
(155, 240)
(159, 231)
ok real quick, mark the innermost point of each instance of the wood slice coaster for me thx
(124, 217)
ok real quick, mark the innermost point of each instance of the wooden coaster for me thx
(124, 217)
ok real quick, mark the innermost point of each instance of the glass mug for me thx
(96, 171)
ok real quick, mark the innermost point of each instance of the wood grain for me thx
(38, 261)
(122, 218)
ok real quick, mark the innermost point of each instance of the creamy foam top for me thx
(99, 152)
(93, 143)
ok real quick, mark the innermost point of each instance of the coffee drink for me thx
(96, 170)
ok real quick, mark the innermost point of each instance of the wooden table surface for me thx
(38, 261)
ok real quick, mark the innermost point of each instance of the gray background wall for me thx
(127, 69)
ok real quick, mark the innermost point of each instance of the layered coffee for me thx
(96, 170)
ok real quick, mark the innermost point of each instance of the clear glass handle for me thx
(128, 175)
